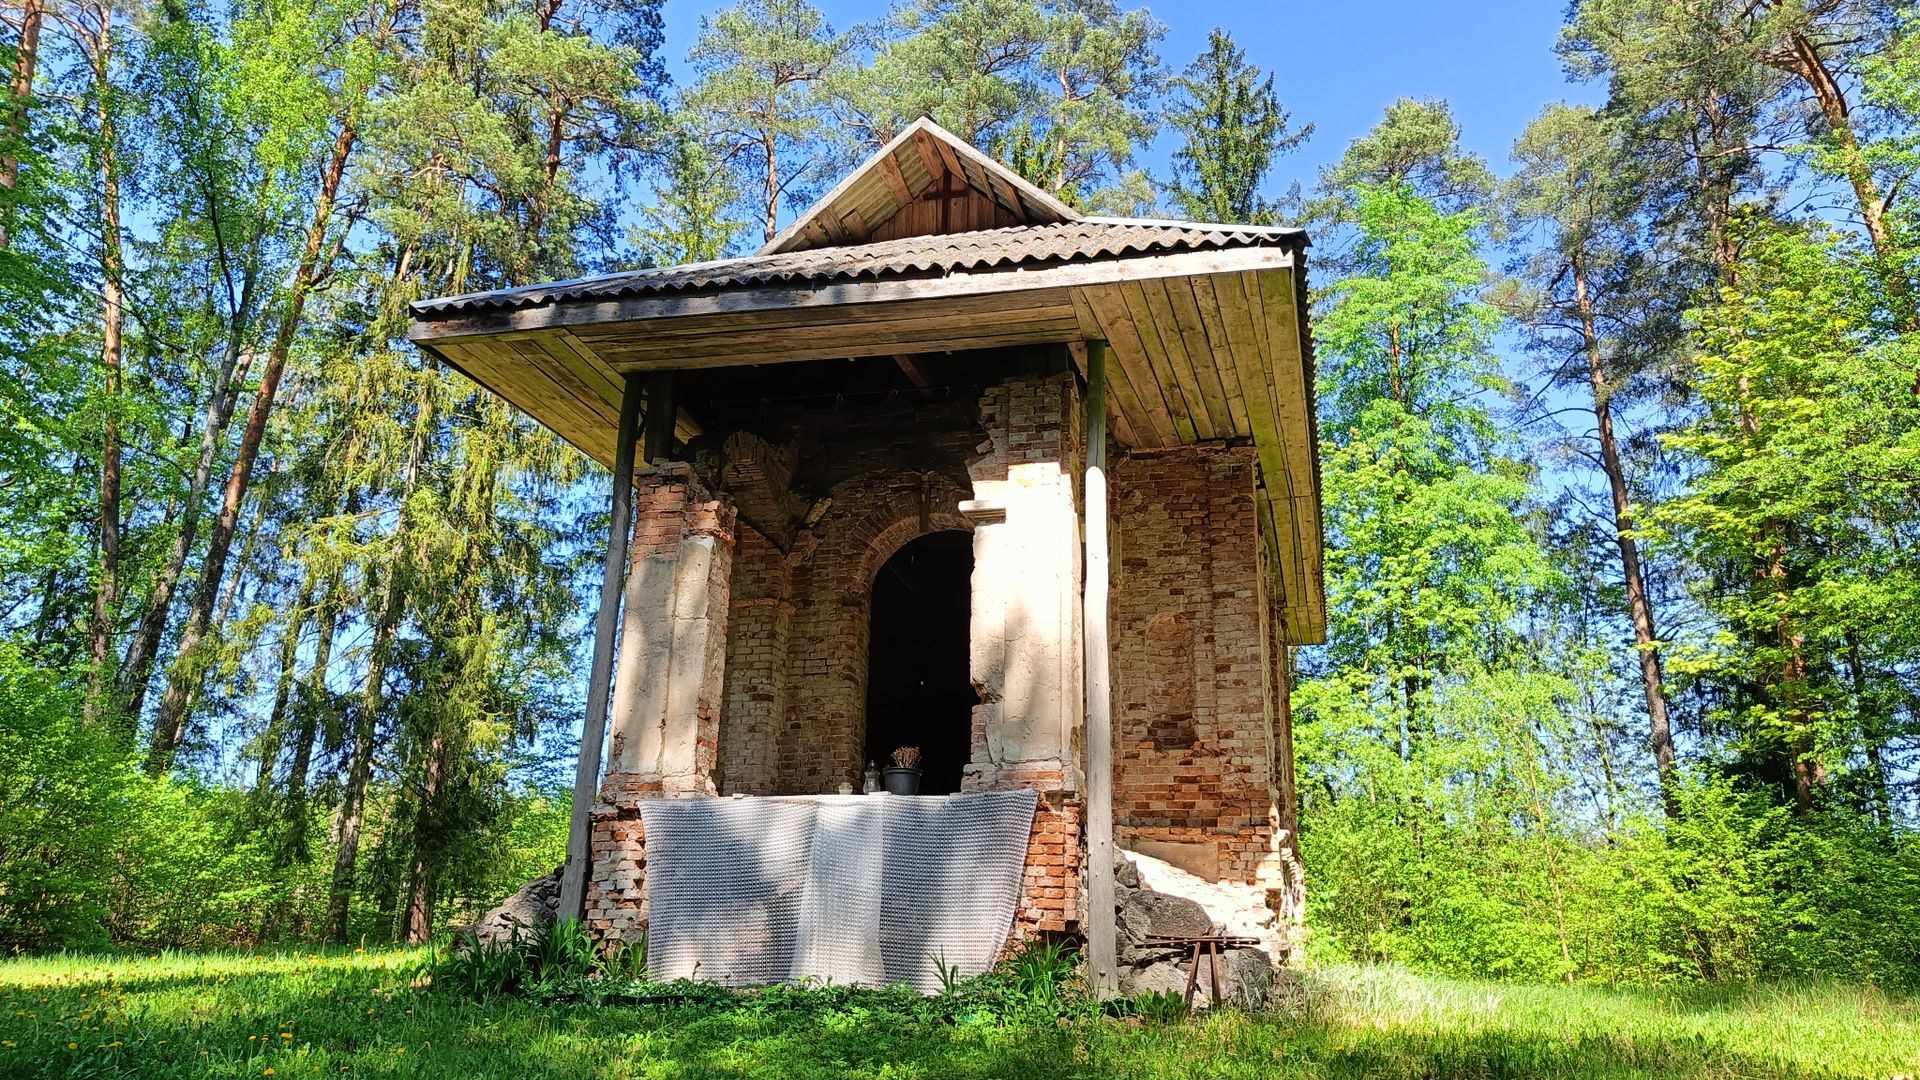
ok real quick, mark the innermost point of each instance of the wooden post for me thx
(662, 409)
(593, 731)
(1103, 970)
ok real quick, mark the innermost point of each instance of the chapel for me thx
(952, 466)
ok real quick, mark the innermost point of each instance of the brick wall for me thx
(754, 706)
(1193, 770)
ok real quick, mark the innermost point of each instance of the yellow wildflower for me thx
(73, 1046)
(286, 1034)
(268, 1071)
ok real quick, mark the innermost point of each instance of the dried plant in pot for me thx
(903, 777)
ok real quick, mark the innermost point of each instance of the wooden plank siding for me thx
(1130, 355)
(532, 389)
(1151, 307)
(1287, 368)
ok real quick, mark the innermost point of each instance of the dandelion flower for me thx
(268, 1071)
(73, 1046)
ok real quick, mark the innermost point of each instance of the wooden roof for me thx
(925, 181)
(1206, 323)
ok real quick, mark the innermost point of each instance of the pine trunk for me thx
(136, 669)
(26, 59)
(106, 596)
(1807, 63)
(1639, 604)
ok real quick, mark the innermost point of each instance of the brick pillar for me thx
(667, 689)
(1025, 634)
(666, 697)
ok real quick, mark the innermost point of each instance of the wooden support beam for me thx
(913, 369)
(1103, 971)
(662, 398)
(593, 730)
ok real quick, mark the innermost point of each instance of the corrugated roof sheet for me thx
(915, 255)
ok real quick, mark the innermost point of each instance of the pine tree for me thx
(1589, 309)
(1232, 128)
(762, 64)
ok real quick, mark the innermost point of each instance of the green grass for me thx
(333, 1013)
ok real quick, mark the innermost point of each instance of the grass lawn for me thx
(332, 1013)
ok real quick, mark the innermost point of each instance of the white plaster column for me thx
(667, 693)
(1025, 632)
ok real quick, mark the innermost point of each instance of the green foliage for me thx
(1160, 1007)
(1809, 446)
(390, 656)
(66, 800)
(1735, 888)
(1039, 980)
(688, 220)
(759, 102)
(539, 961)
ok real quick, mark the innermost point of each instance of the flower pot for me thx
(901, 781)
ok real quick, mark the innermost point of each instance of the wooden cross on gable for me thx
(946, 193)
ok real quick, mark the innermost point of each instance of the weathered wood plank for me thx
(1249, 360)
(695, 327)
(1125, 429)
(533, 356)
(1280, 303)
(1207, 302)
(1102, 938)
(896, 180)
(1052, 332)
(528, 389)
(1167, 355)
(1206, 373)
(1038, 323)
(870, 318)
(1280, 468)
(587, 365)
(1130, 356)
(1132, 428)
(593, 731)
(601, 381)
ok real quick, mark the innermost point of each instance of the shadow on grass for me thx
(370, 1023)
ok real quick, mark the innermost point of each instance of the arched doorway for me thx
(919, 692)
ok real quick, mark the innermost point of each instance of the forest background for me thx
(1620, 439)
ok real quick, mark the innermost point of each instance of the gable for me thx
(925, 182)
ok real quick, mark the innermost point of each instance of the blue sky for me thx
(1336, 65)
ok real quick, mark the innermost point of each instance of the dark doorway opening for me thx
(918, 689)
